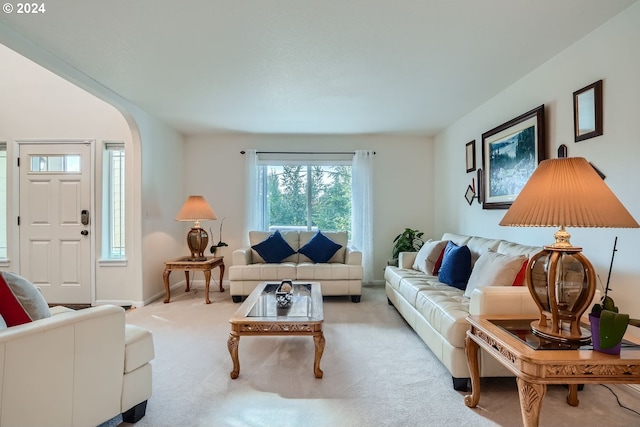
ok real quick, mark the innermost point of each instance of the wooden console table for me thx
(205, 266)
(537, 362)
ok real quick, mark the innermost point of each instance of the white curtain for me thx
(362, 209)
(254, 212)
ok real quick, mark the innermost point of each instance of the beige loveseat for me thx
(341, 275)
(437, 312)
(75, 368)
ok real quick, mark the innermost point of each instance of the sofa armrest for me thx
(406, 259)
(242, 256)
(353, 256)
(503, 300)
(511, 300)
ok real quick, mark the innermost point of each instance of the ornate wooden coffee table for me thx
(537, 362)
(260, 315)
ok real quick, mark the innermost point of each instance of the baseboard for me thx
(635, 388)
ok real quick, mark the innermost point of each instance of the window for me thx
(56, 163)
(3, 200)
(306, 195)
(113, 202)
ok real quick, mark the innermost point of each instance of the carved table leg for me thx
(232, 345)
(319, 342)
(186, 275)
(221, 276)
(167, 290)
(207, 280)
(471, 349)
(531, 396)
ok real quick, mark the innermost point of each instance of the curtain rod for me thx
(303, 152)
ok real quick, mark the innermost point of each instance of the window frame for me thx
(298, 159)
(110, 179)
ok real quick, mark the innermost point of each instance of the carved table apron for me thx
(534, 369)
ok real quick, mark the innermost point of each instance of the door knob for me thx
(84, 232)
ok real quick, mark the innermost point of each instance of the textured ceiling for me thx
(309, 66)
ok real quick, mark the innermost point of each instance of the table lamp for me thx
(565, 192)
(195, 209)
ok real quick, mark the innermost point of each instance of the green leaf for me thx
(612, 328)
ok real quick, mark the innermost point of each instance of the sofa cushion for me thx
(138, 347)
(428, 256)
(20, 301)
(274, 248)
(456, 266)
(494, 269)
(320, 248)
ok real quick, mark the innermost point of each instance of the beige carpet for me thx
(377, 372)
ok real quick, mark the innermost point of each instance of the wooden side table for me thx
(536, 362)
(184, 264)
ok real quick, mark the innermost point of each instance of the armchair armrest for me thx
(406, 259)
(352, 256)
(242, 256)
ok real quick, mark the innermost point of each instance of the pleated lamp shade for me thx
(567, 192)
(195, 209)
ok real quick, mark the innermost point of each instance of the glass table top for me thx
(521, 329)
(266, 306)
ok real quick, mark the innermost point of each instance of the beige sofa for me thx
(437, 312)
(341, 275)
(75, 368)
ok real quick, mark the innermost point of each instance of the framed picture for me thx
(470, 195)
(471, 155)
(480, 186)
(587, 112)
(510, 154)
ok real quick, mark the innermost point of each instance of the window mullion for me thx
(309, 198)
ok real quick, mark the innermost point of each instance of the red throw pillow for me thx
(20, 301)
(519, 280)
(436, 266)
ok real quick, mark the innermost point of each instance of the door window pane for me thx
(55, 163)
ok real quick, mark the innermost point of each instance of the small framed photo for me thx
(470, 195)
(587, 112)
(471, 155)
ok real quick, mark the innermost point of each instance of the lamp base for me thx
(197, 240)
(564, 335)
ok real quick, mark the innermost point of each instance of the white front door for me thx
(55, 219)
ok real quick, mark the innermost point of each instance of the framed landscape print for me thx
(510, 153)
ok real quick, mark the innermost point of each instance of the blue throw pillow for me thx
(274, 248)
(320, 248)
(456, 266)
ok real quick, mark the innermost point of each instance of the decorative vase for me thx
(595, 337)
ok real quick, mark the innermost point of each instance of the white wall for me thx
(403, 181)
(609, 53)
(37, 104)
(68, 104)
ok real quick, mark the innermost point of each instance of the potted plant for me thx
(607, 324)
(408, 241)
(220, 243)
